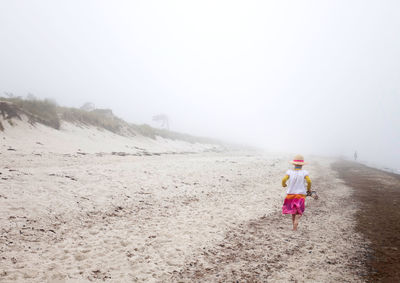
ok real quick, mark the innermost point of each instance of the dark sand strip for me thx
(378, 195)
(325, 249)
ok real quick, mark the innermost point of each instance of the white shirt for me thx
(297, 183)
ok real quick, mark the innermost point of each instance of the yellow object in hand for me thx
(284, 180)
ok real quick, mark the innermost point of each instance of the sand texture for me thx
(198, 217)
(182, 217)
(378, 195)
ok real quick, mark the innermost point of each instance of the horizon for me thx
(313, 78)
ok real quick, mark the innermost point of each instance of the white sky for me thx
(298, 76)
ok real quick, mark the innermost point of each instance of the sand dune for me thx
(80, 139)
(198, 216)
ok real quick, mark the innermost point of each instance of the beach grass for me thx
(47, 112)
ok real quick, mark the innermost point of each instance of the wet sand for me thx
(378, 218)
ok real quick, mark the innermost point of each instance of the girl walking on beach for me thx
(296, 192)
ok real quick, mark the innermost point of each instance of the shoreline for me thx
(376, 166)
(377, 194)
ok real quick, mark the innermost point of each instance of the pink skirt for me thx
(294, 204)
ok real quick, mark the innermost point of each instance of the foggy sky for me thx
(297, 76)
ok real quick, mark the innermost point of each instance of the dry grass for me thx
(48, 113)
(91, 118)
(42, 111)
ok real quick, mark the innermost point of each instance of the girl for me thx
(296, 193)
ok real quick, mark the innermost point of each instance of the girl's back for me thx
(297, 181)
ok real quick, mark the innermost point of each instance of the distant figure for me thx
(163, 119)
(296, 193)
(355, 155)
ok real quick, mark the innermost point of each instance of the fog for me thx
(311, 77)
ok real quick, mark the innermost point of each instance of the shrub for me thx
(92, 118)
(42, 111)
(48, 113)
(144, 130)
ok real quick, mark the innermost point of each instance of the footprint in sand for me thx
(80, 257)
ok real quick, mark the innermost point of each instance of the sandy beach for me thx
(168, 217)
(378, 196)
(162, 141)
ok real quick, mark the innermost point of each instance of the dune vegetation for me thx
(47, 112)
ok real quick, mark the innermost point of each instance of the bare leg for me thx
(293, 218)
(296, 218)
